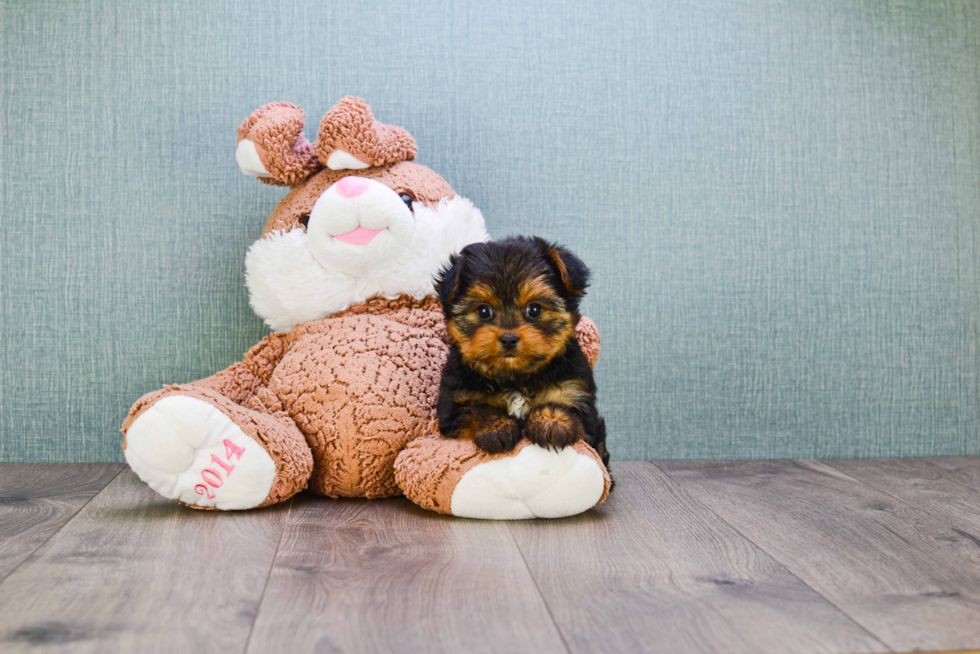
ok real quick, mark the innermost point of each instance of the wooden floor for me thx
(751, 556)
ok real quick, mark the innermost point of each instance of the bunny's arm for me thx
(588, 339)
(242, 380)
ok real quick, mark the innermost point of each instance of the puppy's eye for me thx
(533, 310)
(407, 199)
(484, 312)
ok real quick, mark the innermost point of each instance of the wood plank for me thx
(902, 573)
(962, 469)
(949, 494)
(37, 499)
(386, 576)
(134, 572)
(652, 570)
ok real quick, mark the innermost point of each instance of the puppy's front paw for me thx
(553, 428)
(501, 436)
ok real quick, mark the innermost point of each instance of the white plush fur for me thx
(248, 159)
(340, 160)
(288, 285)
(536, 483)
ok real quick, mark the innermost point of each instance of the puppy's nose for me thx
(350, 187)
(509, 341)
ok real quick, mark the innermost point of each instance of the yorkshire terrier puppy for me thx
(515, 366)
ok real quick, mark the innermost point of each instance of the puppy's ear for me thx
(573, 272)
(449, 280)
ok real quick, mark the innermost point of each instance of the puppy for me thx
(515, 366)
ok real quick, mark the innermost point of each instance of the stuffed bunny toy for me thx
(340, 399)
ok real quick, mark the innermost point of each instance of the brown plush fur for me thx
(277, 132)
(351, 127)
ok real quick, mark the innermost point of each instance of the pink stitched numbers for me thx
(212, 477)
(201, 489)
(231, 448)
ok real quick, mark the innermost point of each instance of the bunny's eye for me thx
(407, 199)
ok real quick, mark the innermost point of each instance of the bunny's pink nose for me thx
(351, 187)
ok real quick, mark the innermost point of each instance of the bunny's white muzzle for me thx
(357, 224)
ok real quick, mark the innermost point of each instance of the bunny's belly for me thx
(360, 391)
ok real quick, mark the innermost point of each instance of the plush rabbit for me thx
(341, 398)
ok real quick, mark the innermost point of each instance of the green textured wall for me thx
(780, 200)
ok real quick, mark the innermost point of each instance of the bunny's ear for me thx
(573, 272)
(350, 138)
(271, 146)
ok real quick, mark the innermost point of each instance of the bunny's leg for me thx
(456, 477)
(220, 443)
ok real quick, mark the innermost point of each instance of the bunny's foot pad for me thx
(188, 450)
(457, 478)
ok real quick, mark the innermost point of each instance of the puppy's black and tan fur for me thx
(515, 366)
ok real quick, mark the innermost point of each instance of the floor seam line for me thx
(782, 565)
(544, 601)
(58, 530)
(268, 576)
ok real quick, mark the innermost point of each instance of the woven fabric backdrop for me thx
(780, 200)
